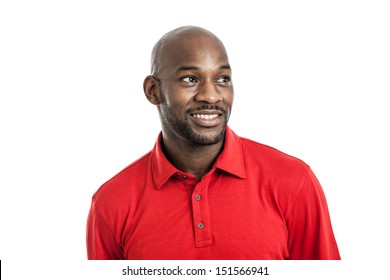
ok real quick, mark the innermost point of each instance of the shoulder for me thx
(281, 176)
(125, 184)
(270, 157)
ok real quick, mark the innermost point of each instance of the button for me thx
(200, 225)
(184, 176)
(197, 197)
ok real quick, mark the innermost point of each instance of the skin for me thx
(191, 86)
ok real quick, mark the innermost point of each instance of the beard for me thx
(182, 128)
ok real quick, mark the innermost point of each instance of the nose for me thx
(208, 92)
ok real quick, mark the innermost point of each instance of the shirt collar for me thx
(230, 160)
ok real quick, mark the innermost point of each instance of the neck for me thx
(188, 157)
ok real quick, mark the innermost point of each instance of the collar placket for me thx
(201, 214)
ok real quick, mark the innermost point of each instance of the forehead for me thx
(198, 50)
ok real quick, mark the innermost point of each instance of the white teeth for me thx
(206, 117)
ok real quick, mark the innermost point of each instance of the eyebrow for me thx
(226, 66)
(195, 68)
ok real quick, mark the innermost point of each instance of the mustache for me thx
(206, 107)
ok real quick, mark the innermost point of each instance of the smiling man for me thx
(203, 192)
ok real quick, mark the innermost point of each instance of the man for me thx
(203, 192)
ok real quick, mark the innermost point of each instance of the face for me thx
(196, 91)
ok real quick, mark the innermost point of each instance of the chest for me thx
(206, 221)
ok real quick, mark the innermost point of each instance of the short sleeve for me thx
(101, 242)
(310, 233)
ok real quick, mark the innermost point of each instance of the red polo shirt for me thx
(255, 203)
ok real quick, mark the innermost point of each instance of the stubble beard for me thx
(183, 128)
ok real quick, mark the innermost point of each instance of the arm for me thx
(309, 227)
(101, 241)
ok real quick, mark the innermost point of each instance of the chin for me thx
(205, 138)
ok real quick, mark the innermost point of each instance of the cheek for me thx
(177, 99)
(228, 98)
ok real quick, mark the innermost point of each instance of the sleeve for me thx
(101, 241)
(310, 233)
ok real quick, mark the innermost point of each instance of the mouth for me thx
(207, 118)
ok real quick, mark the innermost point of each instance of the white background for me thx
(312, 79)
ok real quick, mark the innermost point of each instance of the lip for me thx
(207, 118)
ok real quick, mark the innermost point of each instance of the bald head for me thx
(191, 84)
(172, 42)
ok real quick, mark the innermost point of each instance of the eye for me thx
(223, 80)
(189, 79)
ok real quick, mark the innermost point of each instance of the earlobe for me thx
(152, 90)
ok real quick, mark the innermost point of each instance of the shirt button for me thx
(197, 197)
(184, 176)
(200, 225)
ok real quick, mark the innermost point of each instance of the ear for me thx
(152, 90)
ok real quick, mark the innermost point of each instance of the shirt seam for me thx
(98, 212)
(288, 212)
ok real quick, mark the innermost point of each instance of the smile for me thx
(205, 117)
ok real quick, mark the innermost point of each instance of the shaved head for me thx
(172, 38)
(191, 85)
